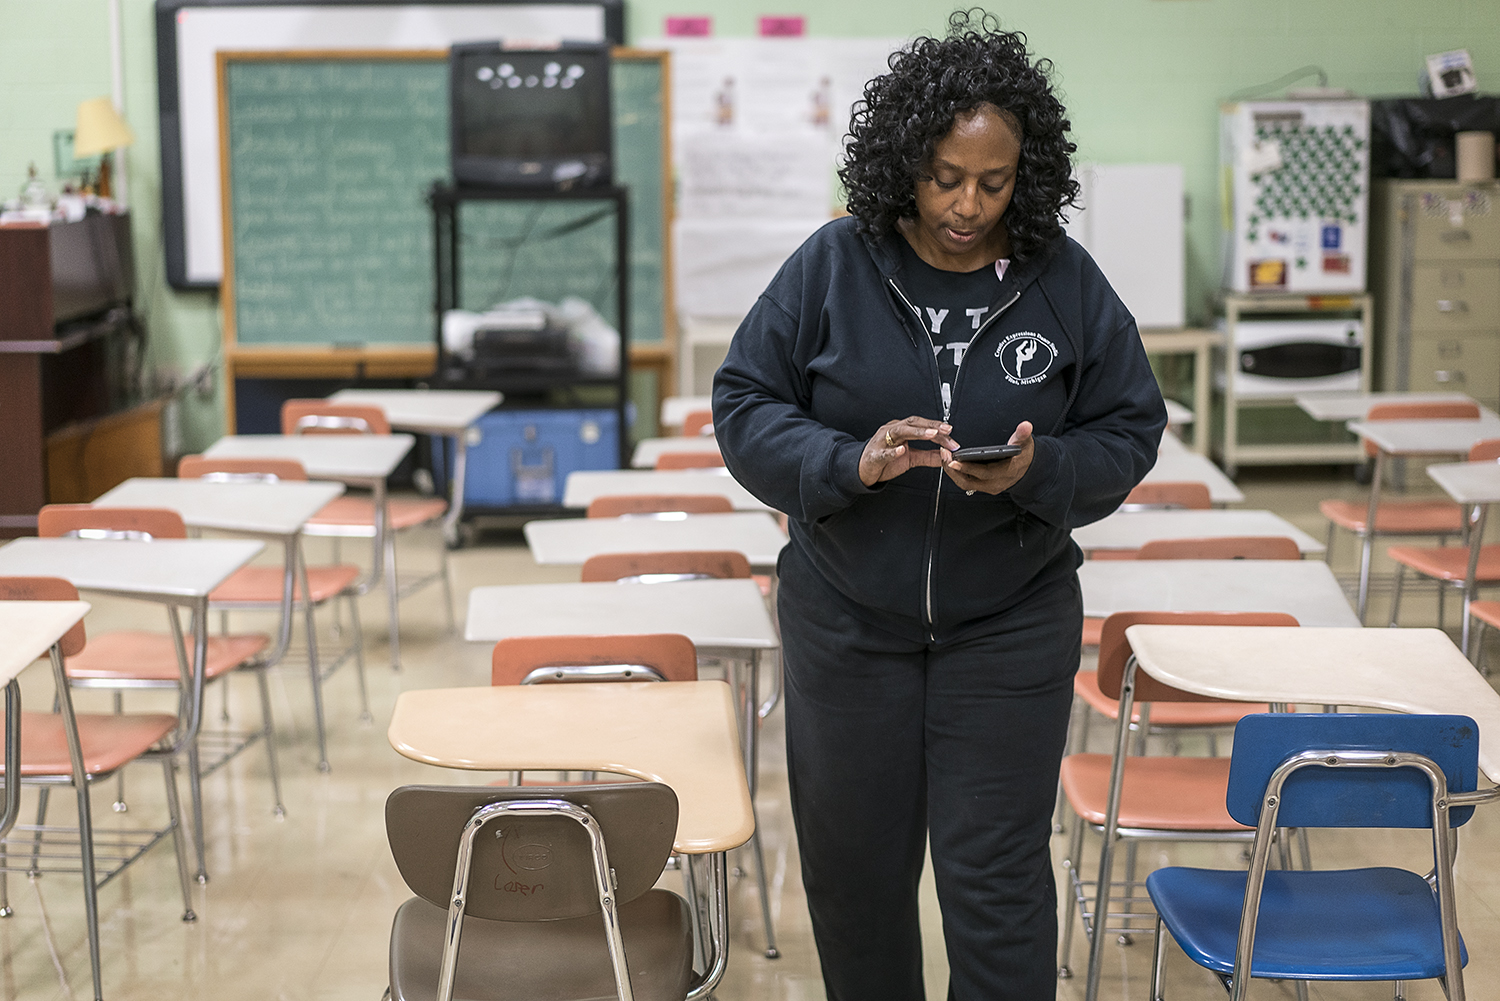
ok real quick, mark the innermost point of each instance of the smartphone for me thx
(987, 453)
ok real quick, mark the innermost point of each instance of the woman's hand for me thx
(993, 477)
(888, 453)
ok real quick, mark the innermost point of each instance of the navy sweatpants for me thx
(891, 742)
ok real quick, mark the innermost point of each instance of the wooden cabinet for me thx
(1435, 261)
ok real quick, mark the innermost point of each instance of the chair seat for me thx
(1183, 714)
(1397, 517)
(557, 960)
(1175, 794)
(108, 741)
(359, 512)
(1112, 554)
(1449, 562)
(1487, 612)
(153, 657)
(1350, 924)
(262, 585)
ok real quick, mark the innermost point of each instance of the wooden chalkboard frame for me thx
(401, 361)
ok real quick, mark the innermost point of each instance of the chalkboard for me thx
(327, 158)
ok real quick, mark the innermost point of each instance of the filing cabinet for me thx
(1435, 257)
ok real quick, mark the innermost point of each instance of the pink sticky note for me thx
(785, 26)
(690, 27)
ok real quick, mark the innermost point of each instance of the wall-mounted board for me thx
(327, 158)
(190, 33)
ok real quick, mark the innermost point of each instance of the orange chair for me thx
(698, 423)
(353, 516)
(260, 588)
(1422, 517)
(619, 505)
(1463, 567)
(1134, 797)
(63, 748)
(689, 460)
(1238, 547)
(655, 567)
(132, 659)
(1168, 495)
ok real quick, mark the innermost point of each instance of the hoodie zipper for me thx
(947, 406)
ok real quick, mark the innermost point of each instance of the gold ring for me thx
(889, 441)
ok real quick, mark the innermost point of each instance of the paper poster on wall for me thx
(723, 265)
(734, 174)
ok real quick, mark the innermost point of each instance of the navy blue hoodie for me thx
(834, 348)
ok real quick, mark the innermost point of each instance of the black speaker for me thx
(531, 118)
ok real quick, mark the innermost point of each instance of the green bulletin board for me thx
(327, 160)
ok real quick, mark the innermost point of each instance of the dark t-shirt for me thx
(953, 305)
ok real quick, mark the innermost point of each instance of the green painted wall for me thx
(1141, 78)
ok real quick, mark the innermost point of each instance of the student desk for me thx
(678, 733)
(1133, 529)
(1171, 445)
(445, 413)
(262, 510)
(29, 629)
(584, 486)
(1405, 670)
(675, 409)
(649, 449)
(360, 460)
(178, 573)
(1304, 588)
(1475, 485)
(1183, 466)
(1404, 439)
(574, 540)
(1350, 406)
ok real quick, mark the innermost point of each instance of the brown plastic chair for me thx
(623, 504)
(1134, 797)
(533, 903)
(101, 744)
(353, 515)
(653, 567)
(260, 588)
(133, 659)
(1420, 517)
(689, 460)
(1168, 495)
(531, 660)
(1451, 566)
(698, 423)
(1239, 547)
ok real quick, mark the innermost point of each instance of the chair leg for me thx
(1400, 990)
(90, 882)
(1158, 962)
(338, 557)
(448, 593)
(195, 795)
(1070, 864)
(1396, 595)
(43, 795)
(314, 671)
(1367, 548)
(393, 599)
(765, 894)
(1328, 546)
(1132, 855)
(268, 737)
(1442, 603)
(357, 630)
(179, 843)
(119, 805)
(5, 909)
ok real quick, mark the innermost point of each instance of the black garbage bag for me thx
(1413, 136)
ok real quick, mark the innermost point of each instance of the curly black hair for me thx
(906, 112)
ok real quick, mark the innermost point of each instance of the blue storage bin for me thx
(522, 458)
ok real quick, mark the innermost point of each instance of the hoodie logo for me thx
(1026, 358)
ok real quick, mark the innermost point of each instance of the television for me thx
(531, 117)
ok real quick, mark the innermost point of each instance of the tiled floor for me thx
(300, 908)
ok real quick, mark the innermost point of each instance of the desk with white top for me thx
(1351, 405)
(1133, 529)
(29, 629)
(1475, 485)
(263, 510)
(1183, 466)
(574, 540)
(681, 733)
(650, 449)
(586, 485)
(675, 409)
(446, 413)
(1306, 589)
(173, 572)
(1404, 670)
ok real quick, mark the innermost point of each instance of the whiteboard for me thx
(190, 33)
(1131, 223)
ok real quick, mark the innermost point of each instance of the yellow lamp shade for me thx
(99, 129)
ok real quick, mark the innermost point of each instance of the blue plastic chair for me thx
(1330, 770)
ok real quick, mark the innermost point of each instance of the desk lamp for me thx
(100, 130)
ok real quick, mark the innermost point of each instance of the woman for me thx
(930, 608)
